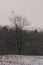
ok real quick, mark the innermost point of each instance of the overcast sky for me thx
(32, 9)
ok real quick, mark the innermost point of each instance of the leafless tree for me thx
(19, 22)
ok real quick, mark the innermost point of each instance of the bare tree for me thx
(19, 22)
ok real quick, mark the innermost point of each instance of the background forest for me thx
(18, 41)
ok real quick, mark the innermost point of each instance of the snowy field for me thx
(21, 60)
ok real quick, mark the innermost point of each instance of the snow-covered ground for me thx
(21, 60)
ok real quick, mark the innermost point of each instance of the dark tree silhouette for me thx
(19, 22)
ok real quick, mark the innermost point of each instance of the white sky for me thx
(32, 9)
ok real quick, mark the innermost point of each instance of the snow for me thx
(21, 60)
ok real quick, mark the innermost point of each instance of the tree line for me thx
(18, 41)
